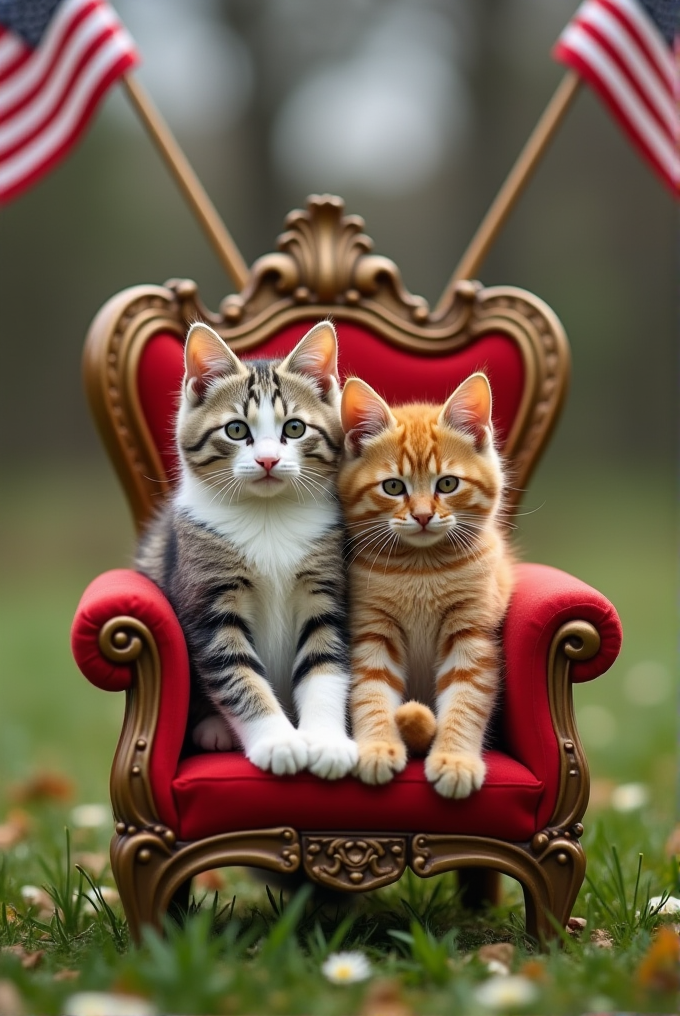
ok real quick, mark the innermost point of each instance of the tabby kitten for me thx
(430, 580)
(249, 553)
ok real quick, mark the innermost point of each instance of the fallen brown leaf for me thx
(66, 975)
(673, 842)
(33, 960)
(29, 960)
(210, 881)
(384, 998)
(43, 787)
(534, 970)
(11, 913)
(601, 791)
(500, 952)
(659, 968)
(15, 828)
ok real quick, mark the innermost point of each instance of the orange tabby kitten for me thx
(430, 580)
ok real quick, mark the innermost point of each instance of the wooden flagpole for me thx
(188, 182)
(515, 183)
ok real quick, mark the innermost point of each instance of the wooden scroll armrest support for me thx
(126, 637)
(558, 630)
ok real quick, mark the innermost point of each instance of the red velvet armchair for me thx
(178, 814)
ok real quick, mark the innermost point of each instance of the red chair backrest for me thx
(324, 268)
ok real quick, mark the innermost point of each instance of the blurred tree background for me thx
(413, 111)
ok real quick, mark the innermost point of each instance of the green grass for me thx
(263, 953)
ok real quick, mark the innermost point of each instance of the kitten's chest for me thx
(431, 596)
(275, 547)
(423, 634)
(274, 625)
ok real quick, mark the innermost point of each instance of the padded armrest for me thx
(125, 593)
(543, 600)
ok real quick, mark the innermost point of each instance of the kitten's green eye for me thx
(294, 428)
(394, 487)
(237, 430)
(447, 484)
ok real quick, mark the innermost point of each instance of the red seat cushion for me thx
(224, 792)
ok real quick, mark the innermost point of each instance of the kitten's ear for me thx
(364, 414)
(316, 356)
(469, 409)
(206, 357)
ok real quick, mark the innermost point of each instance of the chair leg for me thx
(179, 904)
(479, 887)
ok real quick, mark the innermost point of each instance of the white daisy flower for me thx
(508, 992)
(32, 895)
(104, 1003)
(629, 797)
(91, 816)
(346, 967)
(496, 967)
(671, 906)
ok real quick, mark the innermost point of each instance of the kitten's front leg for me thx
(378, 685)
(321, 676)
(466, 683)
(234, 679)
(321, 702)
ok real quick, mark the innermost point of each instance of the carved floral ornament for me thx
(357, 863)
(324, 258)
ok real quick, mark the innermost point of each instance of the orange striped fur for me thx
(430, 579)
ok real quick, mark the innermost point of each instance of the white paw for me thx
(282, 752)
(331, 756)
(213, 734)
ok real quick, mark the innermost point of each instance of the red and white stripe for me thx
(48, 94)
(617, 48)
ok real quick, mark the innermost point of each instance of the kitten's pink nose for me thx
(422, 518)
(267, 463)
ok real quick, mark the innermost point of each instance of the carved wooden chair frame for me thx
(324, 266)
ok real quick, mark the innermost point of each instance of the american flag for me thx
(625, 50)
(57, 59)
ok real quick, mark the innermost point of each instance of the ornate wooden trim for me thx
(550, 873)
(149, 867)
(324, 266)
(538, 334)
(127, 640)
(354, 863)
(114, 345)
(575, 640)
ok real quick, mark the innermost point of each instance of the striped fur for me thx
(249, 553)
(430, 578)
